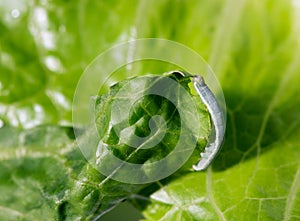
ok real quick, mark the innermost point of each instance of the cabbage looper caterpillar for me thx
(217, 119)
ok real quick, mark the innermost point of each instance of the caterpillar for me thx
(217, 118)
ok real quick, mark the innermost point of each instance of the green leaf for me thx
(93, 194)
(144, 120)
(264, 189)
(256, 176)
(45, 46)
(34, 174)
(46, 174)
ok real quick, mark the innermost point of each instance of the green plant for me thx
(253, 46)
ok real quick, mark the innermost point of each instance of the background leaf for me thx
(256, 175)
(34, 173)
(45, 46)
